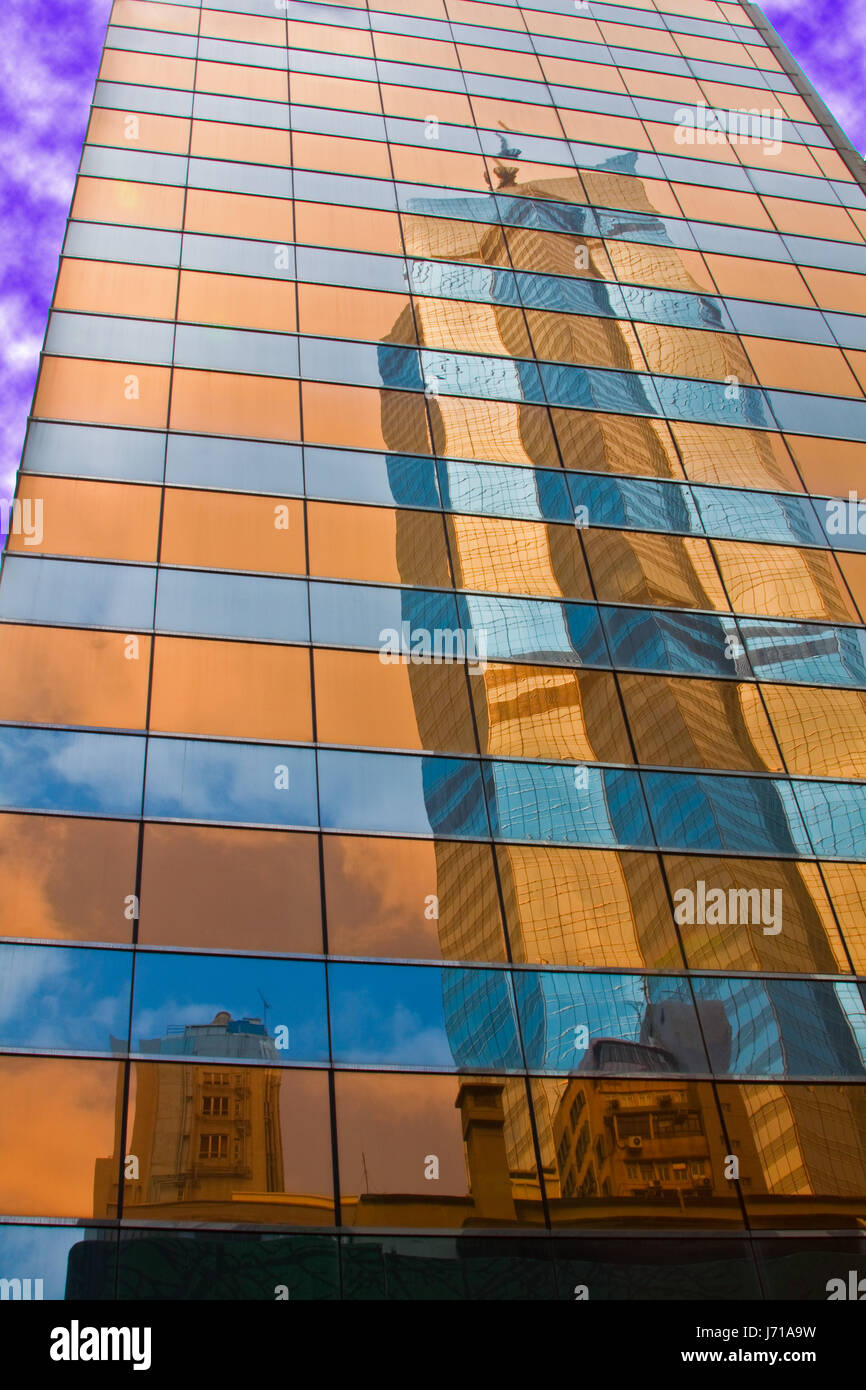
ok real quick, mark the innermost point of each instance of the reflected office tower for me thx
(433, 667)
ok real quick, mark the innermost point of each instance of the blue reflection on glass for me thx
(837, 417)
(347, 475)
(607, 1023)
(423, 1016)
(766, 516)
(816, 654)
(641, 503)
(683, 398)
(558, 634)
(843, 519)
(72, 591)
(62, 997)
(262, 784)
(835, 816)
(58, 1262)
(648, 305)
(562, 804)
(589, 388)
(793, 1028)
(370, 616)
(492, 378)
(737, 815)
(232, 1007)
(646, 639)
(232, 605)
(401, 794)
(565, 295)
(46, 770)
(364, 364)
(546, 215)
(490, 489)
(475, 283)
(198, 460)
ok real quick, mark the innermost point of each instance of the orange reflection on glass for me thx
(722, 205)
(769, 280)
(699, 723)
(98, 287)
(73, 516)
(261, 407)
(249, 890)
(378, 544)
(236, 301)
(148, 69)
(415, 899)
(837, 289)
(476, 1128)
(846, 884)
(586, 908)
(555, 253)
(784, 582)
(338, 93)
(515, 116)
(362, 229)
(462, 326)
(801, 367)
(151, 132)
(452, 239)
(239, 214)
(494, 430)
(72, 676)
(542, 712)
(648, 1152)
(359, 417)
(65, 878)
(667, 266)
(518, 557)
(228, 1143)
(58, 1118)
(446, 168)
(246, 143)
(362, 700)
(636, 567)
(735, 457)
(231, 689)
(853, 568)
(400, 48)
(221, 530)
(337, 312)
(339, 156)
(265, 84)
(109, 393)
(452, 107)
(134, 204)
(822, 732)
(140, 14)
(216, 24)
(803, 1149)
(829, 466)
(694, 352)
(757, 914)
(592, 342)
(597, 443)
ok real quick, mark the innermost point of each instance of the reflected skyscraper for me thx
(440, 457)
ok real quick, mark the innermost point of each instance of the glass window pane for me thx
(174, 1011)
(411, 898)
(67, 1109)
(566, 805)
(232, 605)
(66, 999)
(460, 1018)
(226, 889)
(401, 794)
(48, 770)
(231, 782)
(266, 1155)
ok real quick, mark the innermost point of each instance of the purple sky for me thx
(49, 56)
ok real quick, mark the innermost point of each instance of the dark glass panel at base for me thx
(710, 1270)
(216, 1265)
(462, 1269)
(831, 1268)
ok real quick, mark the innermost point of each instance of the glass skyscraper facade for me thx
(433, 668)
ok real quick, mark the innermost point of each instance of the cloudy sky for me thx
(49, 55)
